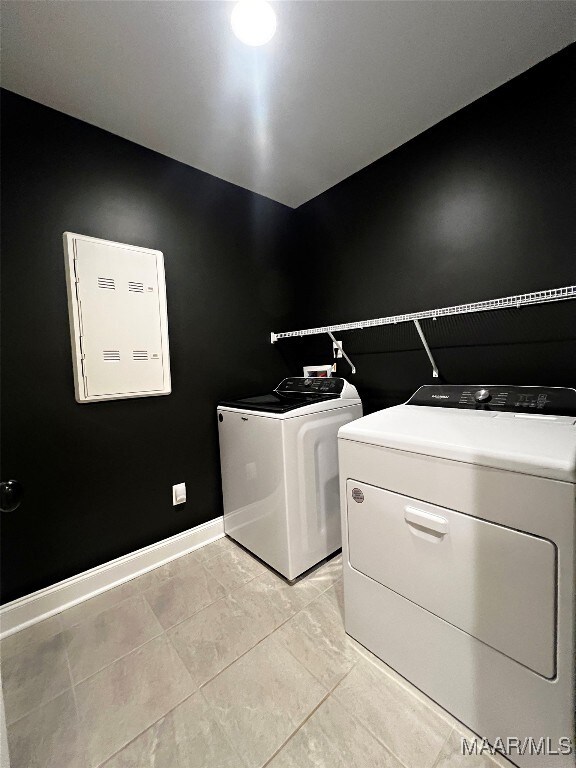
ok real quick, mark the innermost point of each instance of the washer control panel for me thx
(319, 385)
(557, 401)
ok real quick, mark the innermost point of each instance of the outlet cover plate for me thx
(178, 494)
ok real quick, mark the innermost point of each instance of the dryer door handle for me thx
(426, 520)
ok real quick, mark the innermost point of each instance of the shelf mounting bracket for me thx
(435, 373)
(350, 363)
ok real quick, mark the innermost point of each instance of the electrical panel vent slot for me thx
(107, 282)
(136, 287)
(139, 355)
(111, 355)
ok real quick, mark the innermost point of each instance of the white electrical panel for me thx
(118, 319)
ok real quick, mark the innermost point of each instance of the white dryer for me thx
(458, 514)
(279, 464)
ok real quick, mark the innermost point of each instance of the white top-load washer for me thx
(459, 519)
(279, 463)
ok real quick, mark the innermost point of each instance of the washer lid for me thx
(303, 409)
(529, 443)
(276, 402)
(306, 394)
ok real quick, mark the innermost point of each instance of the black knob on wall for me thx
(11, 493)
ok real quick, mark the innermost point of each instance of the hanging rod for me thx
(522, 300)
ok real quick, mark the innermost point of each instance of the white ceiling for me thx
(340, 85)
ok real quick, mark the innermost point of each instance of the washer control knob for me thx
(482, 396)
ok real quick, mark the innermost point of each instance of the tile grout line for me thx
(285, 621)
(408, 687)
(164, 631)
(47, 701)
(124, 746)
(123, 656)
(73, 684)
(65, 627)
(81, 735)
(304, 607)
(336, 684)
(33, 644)
(37, 707)
(209, 605)
(324, 698)
(233, 546)
(365, 727)
(224, 668)
(244, 653)
(382, 743)
(189, 696)
(229, 594)
(269, 634)
(168, 629)
(140, 592)
(234, 589)
(223, 732)
(183, 621)
(446, 740)
(166, 714)
(194, 613)
(225, 549)
(306, 719)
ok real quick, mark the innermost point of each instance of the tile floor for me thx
(214, 661)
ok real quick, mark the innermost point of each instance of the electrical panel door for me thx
(118, 319)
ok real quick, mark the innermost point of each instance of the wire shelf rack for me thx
(508, 302)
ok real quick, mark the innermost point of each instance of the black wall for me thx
(98, 476)
(481, 205)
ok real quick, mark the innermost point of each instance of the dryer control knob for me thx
(482, 396)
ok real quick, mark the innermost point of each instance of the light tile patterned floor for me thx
(214, 661)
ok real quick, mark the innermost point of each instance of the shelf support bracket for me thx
(427, 348)
(350, 363)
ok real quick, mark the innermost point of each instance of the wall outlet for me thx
(336, 348)
(178, 494)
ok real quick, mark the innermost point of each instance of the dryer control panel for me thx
(557, 401)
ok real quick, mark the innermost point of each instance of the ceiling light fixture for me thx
(253, 22)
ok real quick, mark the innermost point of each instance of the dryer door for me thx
(492, 582)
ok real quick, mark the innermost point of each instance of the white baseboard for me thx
(32, 608)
